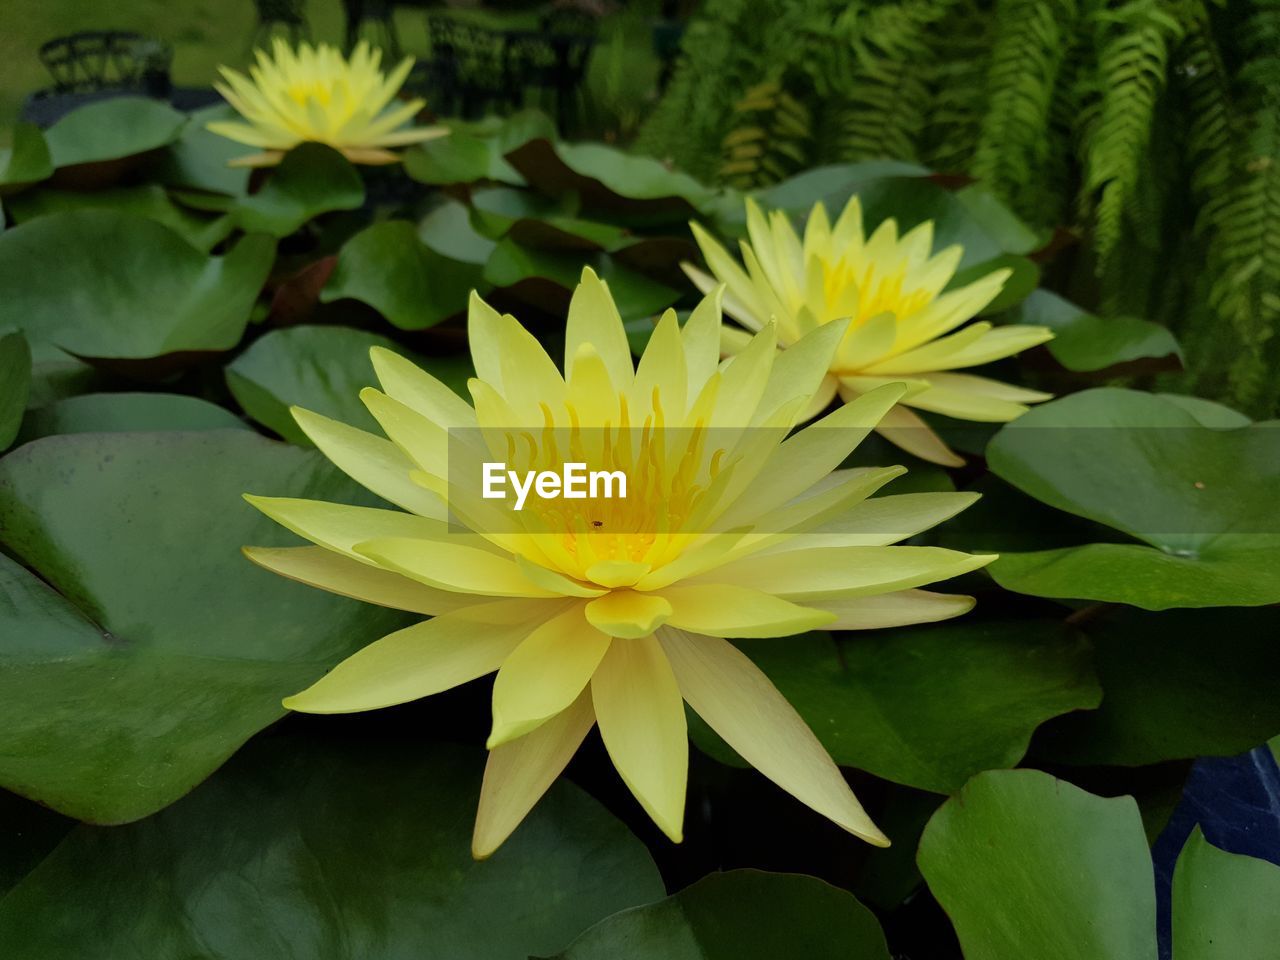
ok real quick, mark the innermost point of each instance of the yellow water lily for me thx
(316, 94)
(615, 612)
(892, 292)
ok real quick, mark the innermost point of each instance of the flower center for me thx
(865, 290)
(669, 473)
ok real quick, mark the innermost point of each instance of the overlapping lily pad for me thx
(112, 130)
(144, 649)
(928, 706)
(1199, 501)
(389, 268)
(26, 160)
(475, 151)
(608, 180)
(1029, 866)
(15, 382)
(1176, 685)
(297, 851)
(324, 370)
(740, 915)
(106, 284)
(127, 413)
(312, 179)
(144, 200)
(1086, 343)
(545, 278)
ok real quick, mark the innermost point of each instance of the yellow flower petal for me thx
(626, 613)
(594, 320)
(318, 567)
(897, 609)
(727, 610)
(449, 565)
(545, 674)
(741, 704)
(371, 461)
(409, 384)
(641, 717)
(520, 771)
(339, 526)
(816, 572)
(427, 658)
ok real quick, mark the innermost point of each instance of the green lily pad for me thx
(475, 151)
(1200, 500)
(740, 915)
(1087, 343)
(324, 370)
(144, 649)
(26, 160)
(448, 231)
(106, 284)
(1206, 412)
(928, 706)
(799, 193)
(497, 208)
(15, 384)
(127, 413)
(1029, 866)
(297, 851)
(145, 200)
(312, 179)
(113, 129)
(606, 179)
(545, 279)
(199, 160)
(387, 267)
(1224, 904)
(55, 374)
(1172, 689)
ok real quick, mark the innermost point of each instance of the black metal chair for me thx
(98, 65)
(94, 61)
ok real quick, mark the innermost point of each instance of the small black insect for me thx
(597, 523)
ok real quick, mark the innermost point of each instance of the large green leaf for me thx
(740, 915)
(608, 180)
(349, 850)
(312, 179)
(113, 129)
(322, 369)
(105, 284)
(1225, 906)
(475, 151)
(1175, 685)
(1085, 343)
(127, 413)
(1201, 501)
(26, 160)
(15, 383)
(389, 268)
(1028, 866)
(145, 649)
(929, 706)
(144, 200)
(545, 279)
(198, 160)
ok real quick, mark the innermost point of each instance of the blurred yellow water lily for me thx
(316, 94)
(615, 612)
(891, 291)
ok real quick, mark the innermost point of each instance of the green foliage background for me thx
(1146, 131)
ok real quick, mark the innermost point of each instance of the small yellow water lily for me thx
(891, 289)
(316, 94)
(615, 612)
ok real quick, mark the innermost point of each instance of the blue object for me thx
(1236, 803)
